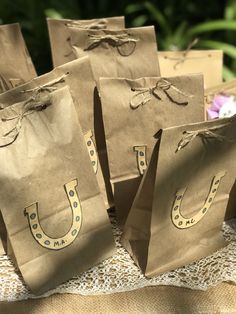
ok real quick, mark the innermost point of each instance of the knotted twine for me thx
(189, 136)
(39, 101)
(115, 40)
(185, 54)
(147, 93)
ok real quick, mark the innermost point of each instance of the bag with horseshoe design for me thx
(177, 214)
(16, 66)
(133, 110)
(59, 35)
(129, 53)
(78, 76)
(50, 201)
(220, 101)
(173, 63)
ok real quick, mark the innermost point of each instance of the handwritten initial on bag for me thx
(177, 214)
(56, 222)
(133, 111)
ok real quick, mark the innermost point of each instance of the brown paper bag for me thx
(177, 214)
(16, 66)
(59, 34)
(78, 76)
(129, 53)
(46, 166)
(225, 89)
(208, 62)
(132, 111)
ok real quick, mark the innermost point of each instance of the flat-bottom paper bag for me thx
(51, 204)
(177, 214)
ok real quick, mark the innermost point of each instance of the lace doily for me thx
(119, 273)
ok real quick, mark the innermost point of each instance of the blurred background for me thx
(177, 23)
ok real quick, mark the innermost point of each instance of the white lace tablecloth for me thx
(119, 273)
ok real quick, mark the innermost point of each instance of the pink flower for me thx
(222, 106)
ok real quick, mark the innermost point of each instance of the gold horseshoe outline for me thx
(15, 82)
(141, 158)
(62, 242)
(91, 150)
(179, 220)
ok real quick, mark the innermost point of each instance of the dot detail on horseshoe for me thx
(182, 222)
(92, 150)
(32, 216)
(71, 193)
(31, 212)
(141, 158)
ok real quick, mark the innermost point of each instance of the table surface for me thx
(161, 299)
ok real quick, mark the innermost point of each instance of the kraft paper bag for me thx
(129, 53)
(177, 214)
(133, 110)
(16, 66)
(78, 76)
(60, 37)
(56, 222)
(220, 101)
(208, 62)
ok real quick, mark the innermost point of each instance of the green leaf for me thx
(53, 14)
(228, 49)
(230, 10)
(133, 8)
(213, 26)
(229, 13)
(159, 18)
(228, 74)
(139, 20)
(179, 36)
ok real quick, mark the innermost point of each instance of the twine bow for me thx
(185, 53)
(37, 102)
(101, 24)
(189, 136)
(144, 95)
(48, 87)
(115, 40)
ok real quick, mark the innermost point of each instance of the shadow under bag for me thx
(50, 201)
(177, 215)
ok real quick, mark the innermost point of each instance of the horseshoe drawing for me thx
(182, 222)
(62, 242)
(4, 84)
(141, 158)
(15, 82)
(92, 150)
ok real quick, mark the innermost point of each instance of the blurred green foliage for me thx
(177, 22)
